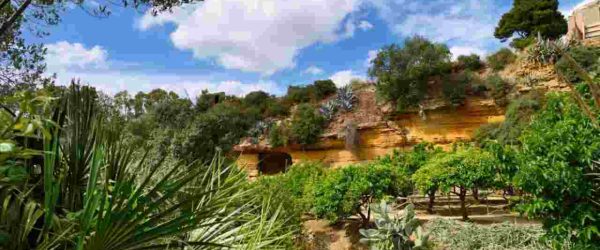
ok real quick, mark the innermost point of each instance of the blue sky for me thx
(238, 46)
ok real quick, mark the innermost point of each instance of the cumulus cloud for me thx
(92, 66)
(256, 35)
(365, 25)
(343, 78)
(75, 56)
(313, 70)
(461, 23)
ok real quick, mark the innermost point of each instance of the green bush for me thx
(278, 135)
(470, 62)
(402, 72)
(499, 89)
(454, 88)
(294, 189)
(501, 58)
(346, 191)
(306, 125)
(299, 94)
(559, 147)
(587, 57)
(324, 88)
(517, 117)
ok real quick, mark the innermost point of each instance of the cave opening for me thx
(273, 163)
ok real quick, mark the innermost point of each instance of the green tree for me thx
(402, 73)
(324, 88)
(558, 151)
(470, 62)
(306, 125)
(527, 18)
(218, 129)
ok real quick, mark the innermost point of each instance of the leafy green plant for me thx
(586, 56)
(454, 88)
(499, 89)
(350, 190)
(278, 135)
(402, 72)
(500, 59)
(306, 125)
(546, 51)
(470, 62)
(398, 233)
(559, 147)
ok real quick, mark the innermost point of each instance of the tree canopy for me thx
(402, 73)
(527, 18)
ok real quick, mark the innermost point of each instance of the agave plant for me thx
(329, 109)
(345, 98)
(259, 129)
(546, 51)
(399, 233)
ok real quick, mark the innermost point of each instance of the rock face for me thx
(441, 126)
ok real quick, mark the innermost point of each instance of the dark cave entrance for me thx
(273, 163)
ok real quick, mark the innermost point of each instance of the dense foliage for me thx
(402, 73)
(454, 87)
(470, 62)
(499, 89)
(585, 56)
(558, 149)
(500, 59)
(306, 125)
(527, 18)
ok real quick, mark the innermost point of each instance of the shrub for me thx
(517, 117)
(398, 233)
(307, 125)
(454, 88)
(500, 59)
(299, 94)
(587, 57)
(203, 139)
(559, 147)
(276, 108)
(344, 192)
(470, 62)
(402, 73)
(545, 51)
(278, 135)
(324, 88)
(499, 89)
(293, 189)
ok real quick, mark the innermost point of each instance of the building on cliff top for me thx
(584, 22)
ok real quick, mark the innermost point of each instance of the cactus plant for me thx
(329, 109)
(398, 233)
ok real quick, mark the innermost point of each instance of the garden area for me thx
(84, 169)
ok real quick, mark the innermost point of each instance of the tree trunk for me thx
(463, 207)
(10, 22)
(475, 194)
(431, 195)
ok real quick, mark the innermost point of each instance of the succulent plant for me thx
(398, 233)
(345, 98)
(546, 51)
(329, 109)
(259, 129)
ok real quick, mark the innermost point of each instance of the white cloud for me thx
(313, 70)
(256, 35)
(74, 55)
(371, 55)
(459, 23)
(465, 50)
(92, 66)
(365, 25)
(343, 78)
